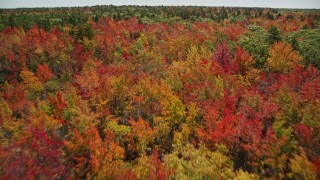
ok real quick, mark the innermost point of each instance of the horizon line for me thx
(49, 7)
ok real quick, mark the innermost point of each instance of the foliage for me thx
(256, 43)
(302, 168)
(200, 163)
(132, 92)
(274, 35)
(282, 58)
(306, 43)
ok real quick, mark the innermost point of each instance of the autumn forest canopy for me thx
(139, 92)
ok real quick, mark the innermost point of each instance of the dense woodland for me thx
(136, 92)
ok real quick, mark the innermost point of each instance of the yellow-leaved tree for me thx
(282, 58)
(32, 83)
(301, 168)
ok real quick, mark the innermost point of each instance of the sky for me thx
(309, 4)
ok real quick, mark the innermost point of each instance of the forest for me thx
(159, 92)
